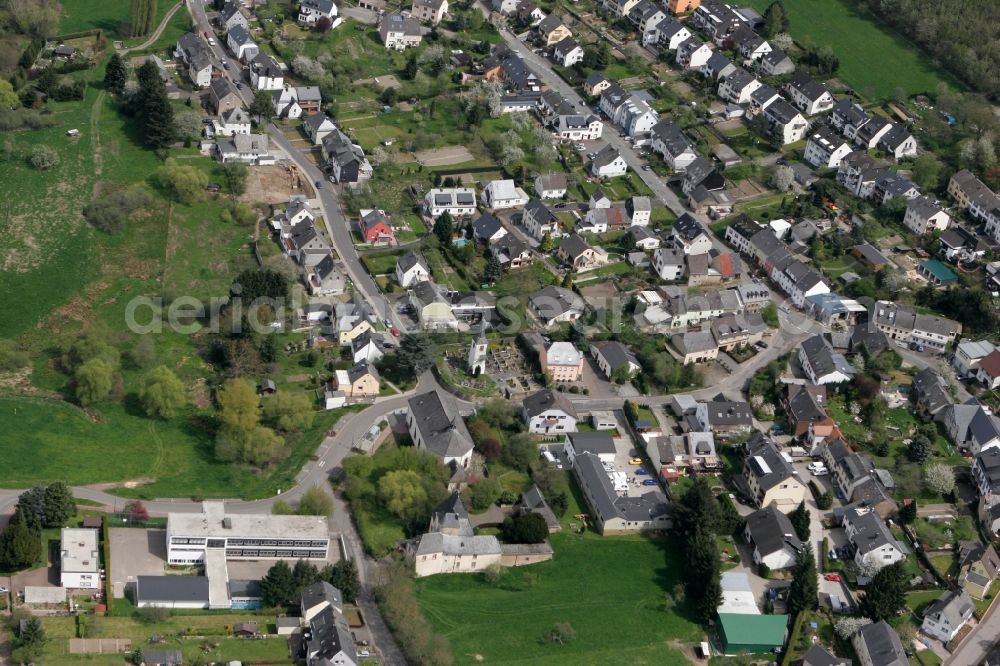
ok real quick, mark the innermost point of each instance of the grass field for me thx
(55, 440)
(874, 60)
(221, 646)
(107, 15)
(611, 590)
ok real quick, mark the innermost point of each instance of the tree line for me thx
(961, 35)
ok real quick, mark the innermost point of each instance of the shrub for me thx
(109, 211)
(44, 157)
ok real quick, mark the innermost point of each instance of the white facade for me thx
(504, 194)
(552, 420)
(458, 201)
(924, 216)
(79, 562)
(190, 536)
(822, 152)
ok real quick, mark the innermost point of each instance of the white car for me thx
(819, 471)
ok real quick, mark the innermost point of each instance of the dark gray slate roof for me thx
(442, 429)
(154, 589)
(771, 531)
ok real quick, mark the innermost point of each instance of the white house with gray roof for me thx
(822, 364)
(946, 616)
(548, 412)
(436, 426)
(553, 305)
(612, 356)
(311, 11)
(770, 534)
(872, 542)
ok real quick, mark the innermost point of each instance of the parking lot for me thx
(135, 552)
(626, 475)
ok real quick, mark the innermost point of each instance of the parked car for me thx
(832, 577)
(642, 471)
(645, 167)
(207, 35)
(319, 184)
(649, 482)
(761, 344)
(832, 555)
(395, 332)
(635, 461)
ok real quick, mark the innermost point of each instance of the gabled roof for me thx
(574, 245)
(772, 531)
(409, 260)
(883, 644)
(953, 607)
(616, 354)
(766, 463)
(606, 156)
(807, 86)
(486, 226)
(549, 23)
(552, 301)
(871, 531)
(320, 593)
(443, 431)
(544, 400)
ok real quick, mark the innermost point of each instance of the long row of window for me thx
(280, 553)
(280, 543)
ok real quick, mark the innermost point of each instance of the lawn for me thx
(874, 60)
(610, 590)
(55, 440)
(221, 646)
(107, 15)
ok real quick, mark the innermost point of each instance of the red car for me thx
(395, 332)
(206, 35)
(833, 578)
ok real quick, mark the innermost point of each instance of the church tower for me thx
(477, 355)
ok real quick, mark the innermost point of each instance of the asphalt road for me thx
(337, 225)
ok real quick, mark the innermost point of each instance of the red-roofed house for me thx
(375, 229)
(727, 265)
(989, 370)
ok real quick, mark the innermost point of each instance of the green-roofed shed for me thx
(755, 634)
(936, 272)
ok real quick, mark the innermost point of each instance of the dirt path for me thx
(95, 133)
(156, 33)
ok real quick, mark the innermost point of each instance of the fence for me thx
(124, 520)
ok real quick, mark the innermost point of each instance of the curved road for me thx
(156, 33)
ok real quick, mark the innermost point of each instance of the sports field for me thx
(874, 60)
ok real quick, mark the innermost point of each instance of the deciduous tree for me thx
(44, 157)
(161, 393)
(402, 493)
(940, 478)
(315, 502)
(94, 381)
(289, 412)
(185, 182)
